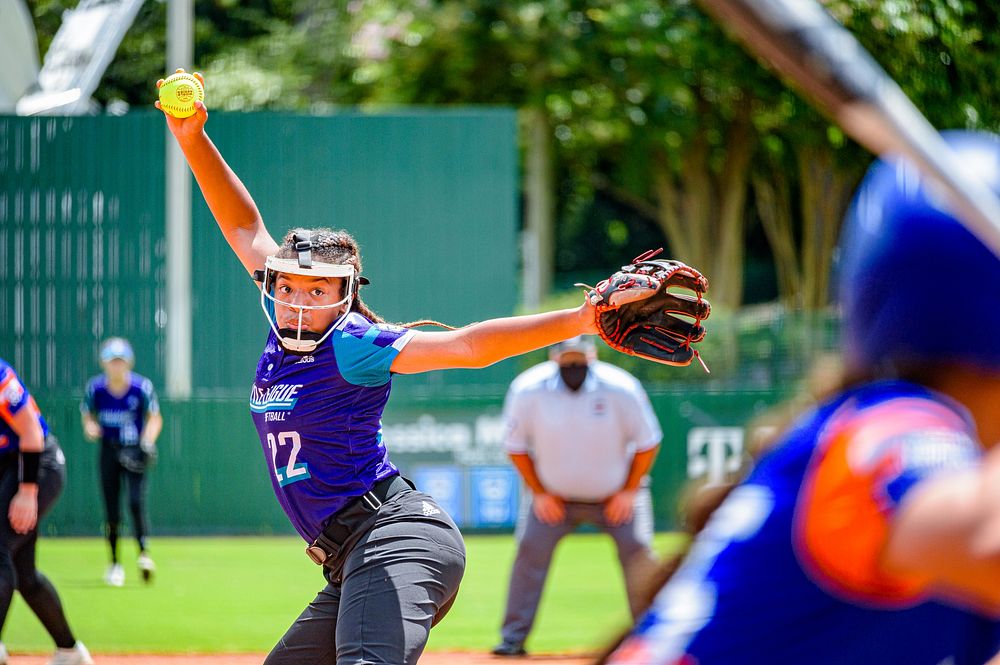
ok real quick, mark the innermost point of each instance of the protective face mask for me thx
(573, 375)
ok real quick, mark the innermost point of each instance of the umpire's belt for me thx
(349, 518)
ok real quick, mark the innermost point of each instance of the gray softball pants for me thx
(399, 579)
(536, 541)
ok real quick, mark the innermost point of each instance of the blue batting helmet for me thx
(915, 285)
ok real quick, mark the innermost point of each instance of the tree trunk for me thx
(825, 195)
(774, 205)
(668, 209)
(727, 259)
(703, 214)
(684, 202)
(697, 201)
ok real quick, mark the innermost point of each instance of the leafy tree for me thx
(653, 89)
(644, 103)
(940, 55)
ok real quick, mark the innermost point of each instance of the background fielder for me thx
(121, 410)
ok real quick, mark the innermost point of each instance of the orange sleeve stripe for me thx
(4, 406)
(5, 381)
(841, 526)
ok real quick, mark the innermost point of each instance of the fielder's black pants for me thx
(112, 476)
(17, 550)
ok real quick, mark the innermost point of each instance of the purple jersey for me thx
(319, 418)
(122, 417)
(13, 398)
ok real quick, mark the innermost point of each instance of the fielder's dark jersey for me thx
(122, 417)
(787, 569)
(14, 397)
(319, 418)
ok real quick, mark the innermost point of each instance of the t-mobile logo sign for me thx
(714, 452)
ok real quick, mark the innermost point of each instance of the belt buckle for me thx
(371, 501)
(317, 554)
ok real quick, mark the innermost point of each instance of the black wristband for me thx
(29, 467)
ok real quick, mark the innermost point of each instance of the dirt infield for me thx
(440, 658)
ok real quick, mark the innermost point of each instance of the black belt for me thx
(346, 521)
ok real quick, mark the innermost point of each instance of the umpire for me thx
(582, 435)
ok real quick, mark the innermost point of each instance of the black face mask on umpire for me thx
(573, 375)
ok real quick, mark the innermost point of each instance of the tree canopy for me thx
(648, 106)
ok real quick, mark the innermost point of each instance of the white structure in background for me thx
(714, 453)
(20, 61)
(80, 52)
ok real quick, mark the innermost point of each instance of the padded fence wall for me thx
(431, 197)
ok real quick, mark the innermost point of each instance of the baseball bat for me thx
(835, 72)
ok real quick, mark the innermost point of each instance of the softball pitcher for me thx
(392, 558)
(32, 473)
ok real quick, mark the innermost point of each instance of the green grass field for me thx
(239, 594)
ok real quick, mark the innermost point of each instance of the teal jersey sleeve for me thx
(151, 402)
(365, 350)
(87, 404)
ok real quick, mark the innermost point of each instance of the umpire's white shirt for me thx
(582, 443)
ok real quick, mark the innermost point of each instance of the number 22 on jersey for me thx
(293, 471)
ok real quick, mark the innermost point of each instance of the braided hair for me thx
(338, 247)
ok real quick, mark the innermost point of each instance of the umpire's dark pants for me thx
(536, 541)
(398, 581)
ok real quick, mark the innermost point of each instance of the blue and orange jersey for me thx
(122, 416)
(13, 398)
(319, 418)
(787, 569)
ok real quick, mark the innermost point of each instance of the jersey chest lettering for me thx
(279, 397)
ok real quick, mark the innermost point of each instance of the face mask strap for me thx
(303, 246)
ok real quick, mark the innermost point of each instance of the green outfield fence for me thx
(431, 196)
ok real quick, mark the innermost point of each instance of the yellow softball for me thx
(178, 94)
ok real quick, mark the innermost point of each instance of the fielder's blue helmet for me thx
(915, 286)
